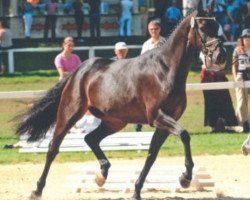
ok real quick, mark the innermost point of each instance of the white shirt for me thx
(5, 38)
(243, 59)
(149, 44)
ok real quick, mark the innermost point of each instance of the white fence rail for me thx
(191, 86)
(90, 49)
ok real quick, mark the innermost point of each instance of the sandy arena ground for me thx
(231, 175)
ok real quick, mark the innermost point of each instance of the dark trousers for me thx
(50, 22)
(94, 21)
(79, 19)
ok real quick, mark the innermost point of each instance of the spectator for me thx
(240, 9)
(51, 8)
(247, 17)
(219, 111)
(5, 44)
(67, 7)
(155, 40)
(160, 7)
(121, 50)
(219, 11)
(125, 22)
(66, 61)
(171, 17)
(94, 18)
(188, 6)
(79, 18)
(241, 72)
(27, 18)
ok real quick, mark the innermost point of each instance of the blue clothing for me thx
(173, 14)
(126, 18)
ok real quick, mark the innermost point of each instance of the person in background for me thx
(79, 18)
(5, 44)
(94, 19)
(219, 11)
(155, 40)
(27, 18)
(247, 16)
(219, 110)
(66, 62)
(125, 22)
(241, 72)
(172, 17)
(160, 7)
(51, 8)
(120, 50)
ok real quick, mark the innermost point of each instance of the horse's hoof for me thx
(185, 183)
(245, 150)
(136, 196)
(35, 196)
(100, 179)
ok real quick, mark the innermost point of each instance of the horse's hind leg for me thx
(51, 154)
(65, 120)
(93, 140)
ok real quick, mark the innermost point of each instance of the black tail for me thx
(37, 121)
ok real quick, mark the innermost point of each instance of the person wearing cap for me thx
(241, 72)
(121, 50)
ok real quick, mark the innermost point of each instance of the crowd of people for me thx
(232, 15)
(51, 9)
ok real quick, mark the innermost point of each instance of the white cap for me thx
(120, 46)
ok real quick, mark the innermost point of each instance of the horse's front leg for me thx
(166, 125)
(164, 121)
(186, 177)
(93, 140)
(157, 140)
(51, 154)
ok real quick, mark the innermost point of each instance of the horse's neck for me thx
(179, 51)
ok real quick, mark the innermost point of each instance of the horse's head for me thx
(204, 36)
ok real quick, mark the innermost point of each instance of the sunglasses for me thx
(154, 29)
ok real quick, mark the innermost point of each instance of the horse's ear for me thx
(211, 7)
(200, 7)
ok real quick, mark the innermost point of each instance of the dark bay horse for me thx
(148, 89)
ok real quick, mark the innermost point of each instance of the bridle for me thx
(205, 46)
